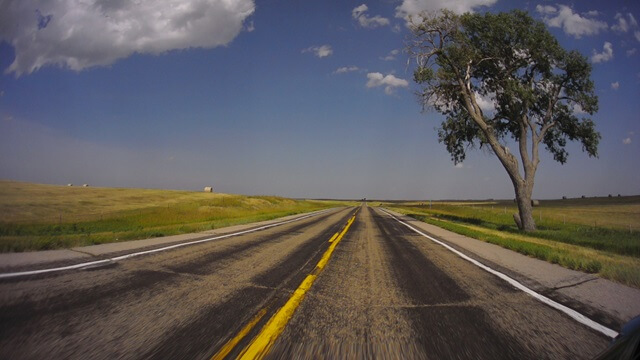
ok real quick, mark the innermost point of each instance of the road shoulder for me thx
(13, 262)
(608, 302)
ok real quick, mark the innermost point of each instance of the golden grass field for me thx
(38, 216)
(615, 212)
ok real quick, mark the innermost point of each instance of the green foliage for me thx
(512, 59)
(423, 75)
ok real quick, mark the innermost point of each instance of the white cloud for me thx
(390, 82)
(346, 69)
(626, 141)
(577, 109)
(572, 23)
(360, 13)
(546, 9)
(636, 34)
(631, 51)
(615, 85)
(391, 56)
(624, 24)
(410, 8)
(486, 103)
(605, 55)
(250, 27)
(82, 33)
(319, 51)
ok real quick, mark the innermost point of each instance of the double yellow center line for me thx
(264, 340)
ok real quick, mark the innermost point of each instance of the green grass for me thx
(40, 217)
(599, 242)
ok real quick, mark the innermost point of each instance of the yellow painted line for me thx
(334, 237)
(262, 343)
(226, 349)
(327, 254)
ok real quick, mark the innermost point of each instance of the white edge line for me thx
(127, 256)
(572, 313)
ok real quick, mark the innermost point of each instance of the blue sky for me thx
(300, 99)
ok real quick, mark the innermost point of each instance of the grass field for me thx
(39, 217)
(596, 235)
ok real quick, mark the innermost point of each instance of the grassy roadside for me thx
(41, 217)
(612, 252)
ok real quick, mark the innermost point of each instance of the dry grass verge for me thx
(39, 217)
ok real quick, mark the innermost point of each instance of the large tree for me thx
(537, 90)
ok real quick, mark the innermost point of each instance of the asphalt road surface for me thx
(385, 292)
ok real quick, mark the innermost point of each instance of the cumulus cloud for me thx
(486, 103)
(615, 85)
(605, 55)
(319, 51)
(346, 69)
(546, 9)
(625, 23)
(577, 110)
(626, 141)
(359, 13)
(410, 8)
(390, 82)
(631, 51)
(571, 23)
(78, 34)
(391, 56)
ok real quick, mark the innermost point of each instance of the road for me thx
(385, 292)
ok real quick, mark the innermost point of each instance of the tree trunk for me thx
(525, 210)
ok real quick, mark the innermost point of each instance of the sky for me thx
(305, 99)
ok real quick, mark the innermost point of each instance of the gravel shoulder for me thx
(607, 302)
